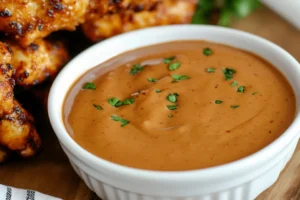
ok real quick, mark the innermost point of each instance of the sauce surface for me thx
(225, 105)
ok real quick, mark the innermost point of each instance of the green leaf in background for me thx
(225, 17)
(228, 10)
(226, 13)
(203, 11)
(243, 8)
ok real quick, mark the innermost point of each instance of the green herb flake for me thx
(210, 70)
(169, 59)
(136, 68)
(177, 77)
(174, 66)
(170, 115)
(228, 73)
(118, 104)
(172, 97)
(89, 86)
(124, 122)
(98, 107)
(207, 51)
(113, 101)
(234, 106)
(235, 83)
(157, 91)
(172, 107)
(241, 89)
(152, 80)
(254, 93)
(218, 102)
(128, 101)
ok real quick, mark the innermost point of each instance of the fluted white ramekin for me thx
(240, 180)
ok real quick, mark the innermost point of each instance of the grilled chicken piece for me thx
(37, 62)
(99, 8)
(28, 21)
(98, 26)
(6, 82)
(17, 132)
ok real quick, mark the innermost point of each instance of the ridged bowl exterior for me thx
(246, 191)
(244, 179)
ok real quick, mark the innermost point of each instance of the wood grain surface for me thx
(50, 172)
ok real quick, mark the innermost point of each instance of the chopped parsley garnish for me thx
(235, 83)
(218, 102)
(172, 107)
(97, 106)
(228, 73)
(113, 101)
(207, 51)
(254, 93)
(241, 89)
(89, 86)
(117, 103)
(152, 80)
(210, 70)
(172, 97)
(136, 68)
(174, 66)
(157, 91)
(234, 106)
(169, 59)
(128, 101)
(124, 122)
(170, 115)
(177, 77)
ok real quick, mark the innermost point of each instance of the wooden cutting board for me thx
(51, 173)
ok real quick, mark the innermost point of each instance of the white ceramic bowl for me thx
(240, 180)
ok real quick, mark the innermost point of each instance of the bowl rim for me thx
(261, 156)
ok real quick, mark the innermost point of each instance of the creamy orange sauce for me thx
(200, 133)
